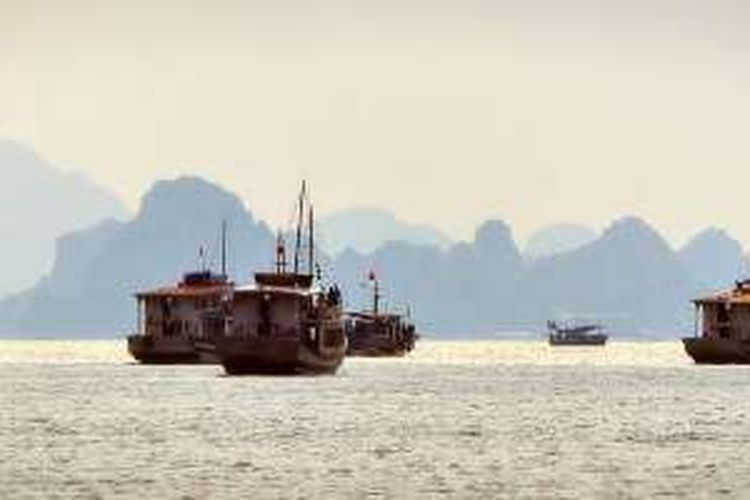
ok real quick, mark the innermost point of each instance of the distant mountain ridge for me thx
(366, 228)
(628, 277)
(556, 239)
(89, 291)
(711, 257)
(42, 203)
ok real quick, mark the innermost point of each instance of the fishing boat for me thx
(174, 320)
(286, 322)
(375, 333)
(722, 327)
(590, 334)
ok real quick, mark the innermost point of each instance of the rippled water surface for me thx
(456, 420)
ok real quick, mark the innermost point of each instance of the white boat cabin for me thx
(725, 315)
(280, 305)
(184, 310)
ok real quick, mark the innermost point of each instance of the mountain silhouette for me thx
(366, 228)
(464, 290)
(714, 259)
(557, 238)
(41, 203)
(89, 291)
(629, 277)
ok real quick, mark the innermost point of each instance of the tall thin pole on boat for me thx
(280, 253)
(300, 215)
(224, 247)
(311, 241)
(375, 292)
(377, 298)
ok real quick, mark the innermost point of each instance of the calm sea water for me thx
(455, 420)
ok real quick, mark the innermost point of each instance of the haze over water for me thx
(507, 419)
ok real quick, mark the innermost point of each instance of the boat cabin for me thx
(186, 309)
(390, 326)
(725, 315)
(280, 304)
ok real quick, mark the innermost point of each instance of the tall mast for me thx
(375, 293)
(311, 241)
(280, 254)
(224, 247)
(376, 298)
(300, 215)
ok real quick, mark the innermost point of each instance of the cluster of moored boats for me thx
(285, 322)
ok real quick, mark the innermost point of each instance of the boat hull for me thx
(277, 356)
(367, 346)
(155, 350)
(377, 352)
(717, 351)
(371, 335)
(588, 340)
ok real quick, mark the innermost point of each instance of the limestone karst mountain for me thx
(364, 229)
(714, 259)
(89, 291)
(628, 277)
(40, 203)
(557, 238)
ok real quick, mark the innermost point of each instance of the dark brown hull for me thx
(577, 340)
(377, 348)
(277, 356)
(167, 351)
(377, 352)
(379, 339)
(718, 351)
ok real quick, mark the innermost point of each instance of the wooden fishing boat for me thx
(591, 334)
(174, 320)
(722, 333)
(286, 322)
(374, 333)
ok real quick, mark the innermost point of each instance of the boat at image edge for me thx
(722, 333)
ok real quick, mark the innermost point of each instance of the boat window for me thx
(723, 313)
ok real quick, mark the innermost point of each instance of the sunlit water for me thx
(456, 420)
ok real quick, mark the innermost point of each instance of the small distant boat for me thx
(285, 323)
(374, 333)
(722, 327)
(576, 334)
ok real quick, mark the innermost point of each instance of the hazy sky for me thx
(447, 112)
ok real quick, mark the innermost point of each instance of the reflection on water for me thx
(456, 419)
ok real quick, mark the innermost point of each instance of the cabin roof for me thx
(372, 316)
(186, 291)
(739, 295)
(280, 290)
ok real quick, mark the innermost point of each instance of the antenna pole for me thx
(311, 242)
(375, 292)
(224, 248)
(376, 298)
(280, 254)
(300, 215)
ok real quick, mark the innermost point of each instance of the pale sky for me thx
(445, 112)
